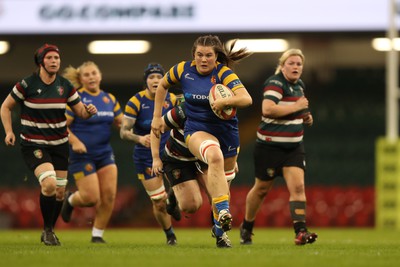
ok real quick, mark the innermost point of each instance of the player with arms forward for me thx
(43, 97)
(279, 149)
(210, 139)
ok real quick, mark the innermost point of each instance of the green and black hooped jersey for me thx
(285, 131)
(43, 107)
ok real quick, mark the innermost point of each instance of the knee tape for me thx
(61, 182)
(230, 175)
(46, 174)
(205, 145)
(157, 194)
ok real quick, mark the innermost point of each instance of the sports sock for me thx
(57, 211)
(221, 203)
(169, 232)
(47, 206)
(248, 225)
(299, 226)
(218, 228)
(70, 199)
(97, 232)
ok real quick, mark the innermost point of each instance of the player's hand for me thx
(79, 147)
(157, 167)
(145, 140)
(302, 103)
(10, 139)
(308, 119)
(218, 105)
(91, 109)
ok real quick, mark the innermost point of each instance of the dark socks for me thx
(248, 225)
(47, 206)
(57, 211)
(169, 232)
(299, 226)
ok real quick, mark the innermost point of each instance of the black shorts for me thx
(270, 160)
(34, 155)
(179, 172)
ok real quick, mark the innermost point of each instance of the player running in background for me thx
(136, 128)
(279, 149)
(43, 98)
(92, 162)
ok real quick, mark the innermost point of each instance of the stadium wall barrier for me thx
(326, 207)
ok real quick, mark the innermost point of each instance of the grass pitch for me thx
(272, 247)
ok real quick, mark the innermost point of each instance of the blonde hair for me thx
(286, 55)
(73, 74)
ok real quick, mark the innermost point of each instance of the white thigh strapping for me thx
(46, 174)
(61, 182)
(204, 146)
(157, 194)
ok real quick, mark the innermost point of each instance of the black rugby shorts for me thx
(270, 160)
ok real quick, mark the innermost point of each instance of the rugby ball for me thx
(218, 91)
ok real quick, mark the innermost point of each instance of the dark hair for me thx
(229, 58)
(42, 51)
(153, 68)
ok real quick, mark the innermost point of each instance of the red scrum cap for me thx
(42, 51)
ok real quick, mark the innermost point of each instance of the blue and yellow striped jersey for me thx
(95, 132)
(196, 88)
(141, 108)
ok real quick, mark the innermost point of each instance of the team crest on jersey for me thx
(176, 173)
(213, 79)
(60, 90)
(271, 172)
(88, 167)
(166, 104)
(38, 153)
(106, 100)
